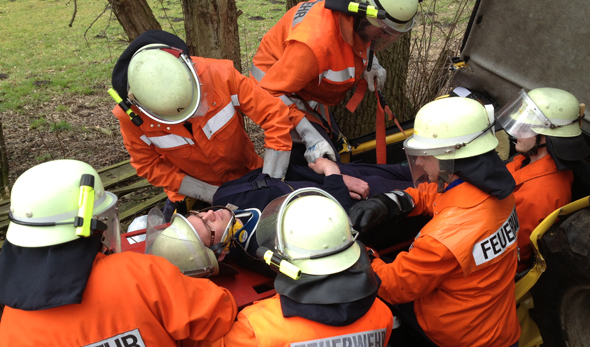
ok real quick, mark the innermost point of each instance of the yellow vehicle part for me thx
(370, 145)
(530, 335)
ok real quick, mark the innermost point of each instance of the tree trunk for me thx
(395, 60)
(135, 16)
(291, 3)
(4, 189)
(212, 29)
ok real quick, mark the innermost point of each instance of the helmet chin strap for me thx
(533, 151)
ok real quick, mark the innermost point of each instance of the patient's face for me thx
(205, 222)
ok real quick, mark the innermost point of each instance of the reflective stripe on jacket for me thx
(313, 52)
(219, 149)
(540, 190)
(460, 270)
(262, 324)
(130, 300)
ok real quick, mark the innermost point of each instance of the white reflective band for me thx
(58, 217)
(234, 100)
(146, 140)
(497, 243)
(287, 100)
(219, 120)
(302, 12)
(256, 72)
(338, 76)
(374, 338)
(451, 141)
(130, 338)
(556, 121)
(300, 103)
(170, 141)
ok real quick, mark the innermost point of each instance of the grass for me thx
(44, 57)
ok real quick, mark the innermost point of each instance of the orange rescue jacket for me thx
(460, 270)
(262, 324)
(219, 149)
(312, 52)
(540, 189)
(130, 300)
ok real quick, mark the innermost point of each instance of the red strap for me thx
(359, 93)
(394, 118)
(173, 50)
(381, 144)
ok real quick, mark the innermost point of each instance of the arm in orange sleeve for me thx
(416, 273)
(193, 309)
(148, 163)
(241, 334)
(423, 199)
(267, 111)
(296, 68)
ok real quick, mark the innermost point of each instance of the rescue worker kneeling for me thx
(455, 286)
(60, 290)
(334, 302)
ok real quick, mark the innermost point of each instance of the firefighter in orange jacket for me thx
(455, 286)
(60, 290)
(334, 302)
(188, 136)
(545, 122)
(317, 52)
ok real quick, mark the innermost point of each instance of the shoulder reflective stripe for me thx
(300, 103)
(130, 338)
(498, 242)
(366, 338)
(146, 140)
(287, 100)
(219, 120)
(256, 72)
(234, 100)
(170, 141)
(302, 12)
(338, 76)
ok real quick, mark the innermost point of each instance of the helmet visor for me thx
(426, 168)
(270, 231)
(388, 35)
(520, 116)
(178, 243)
(110, 216)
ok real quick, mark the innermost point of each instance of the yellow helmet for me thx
(163, 84)
(45, 204)
(180, 244)
(311, 230)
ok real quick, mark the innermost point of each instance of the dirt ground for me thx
(87, 131)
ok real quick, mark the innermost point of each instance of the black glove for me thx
(365, 215)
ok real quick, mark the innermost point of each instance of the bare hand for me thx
(358, 189)
(324, 166)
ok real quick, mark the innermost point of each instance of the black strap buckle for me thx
(258, 184)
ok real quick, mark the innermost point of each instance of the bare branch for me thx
(167, 18)
(74, 14)
(91, 24)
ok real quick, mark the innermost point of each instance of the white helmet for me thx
(163, 84)
(180, 244)
(311, 230)
(399, 18)
(448, 129)
(60, 201)
(542, 111)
